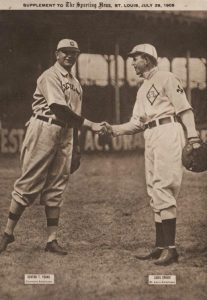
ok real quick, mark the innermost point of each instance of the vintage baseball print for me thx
(103, 149)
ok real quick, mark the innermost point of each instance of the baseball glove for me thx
(194, 156)
(76, 153)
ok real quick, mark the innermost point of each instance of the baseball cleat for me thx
(6, 239)
(154, 254)
(53, 247)
(168, 256)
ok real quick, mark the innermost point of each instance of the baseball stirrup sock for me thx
(169, 230)
(15, 213)
(14, 217)
(160, 242)
(52, 212)
(52, 222)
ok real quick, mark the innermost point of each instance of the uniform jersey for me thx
(161, 95)
(47, 148)
(57, 86)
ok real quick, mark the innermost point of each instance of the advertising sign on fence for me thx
(11, 141)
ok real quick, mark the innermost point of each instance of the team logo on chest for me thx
(152, 94)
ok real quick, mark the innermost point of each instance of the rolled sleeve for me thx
(131, 127)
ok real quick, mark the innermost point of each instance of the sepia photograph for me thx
(103, 150)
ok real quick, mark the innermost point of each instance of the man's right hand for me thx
(107, 129)
(102, 128)
(98, 128)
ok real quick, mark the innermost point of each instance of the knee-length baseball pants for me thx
(163, 165)
(45, 162)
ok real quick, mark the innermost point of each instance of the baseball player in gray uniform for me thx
(47, 148)
(160, 102)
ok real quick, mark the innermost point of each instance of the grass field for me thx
(105, 222)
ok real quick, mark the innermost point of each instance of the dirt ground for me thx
(105, 222)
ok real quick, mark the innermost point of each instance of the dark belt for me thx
(161, 121)
(49, 120)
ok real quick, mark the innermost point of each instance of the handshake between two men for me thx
(102, 128)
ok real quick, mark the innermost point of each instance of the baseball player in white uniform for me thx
(160, 102)
(47, 147)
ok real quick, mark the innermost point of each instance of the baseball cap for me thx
(144, 48)
(67, 43)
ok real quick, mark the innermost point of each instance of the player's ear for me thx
(147, 60)
(57, 54)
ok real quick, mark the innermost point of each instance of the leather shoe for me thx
(154, 254)
(6, 239)
(53, 247)
(168, 256)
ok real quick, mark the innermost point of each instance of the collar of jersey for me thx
(63, 71)
(150, 73)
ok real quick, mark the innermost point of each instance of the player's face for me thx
(139, 64)
(66, 58)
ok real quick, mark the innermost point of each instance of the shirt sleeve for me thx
(66, 115)
(188, 121)
(131, 127)
(176, 94)
(50, 86)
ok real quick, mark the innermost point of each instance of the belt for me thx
(161, 121)
(49, 120)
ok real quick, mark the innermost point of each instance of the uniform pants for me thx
(45, 162)
(163, 165)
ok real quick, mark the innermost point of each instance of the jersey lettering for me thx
(180, 90)
(67, 85)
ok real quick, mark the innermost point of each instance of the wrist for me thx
(115, 132)
(87, 123)
(192, 133)
(193, 137)
(195, 141)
